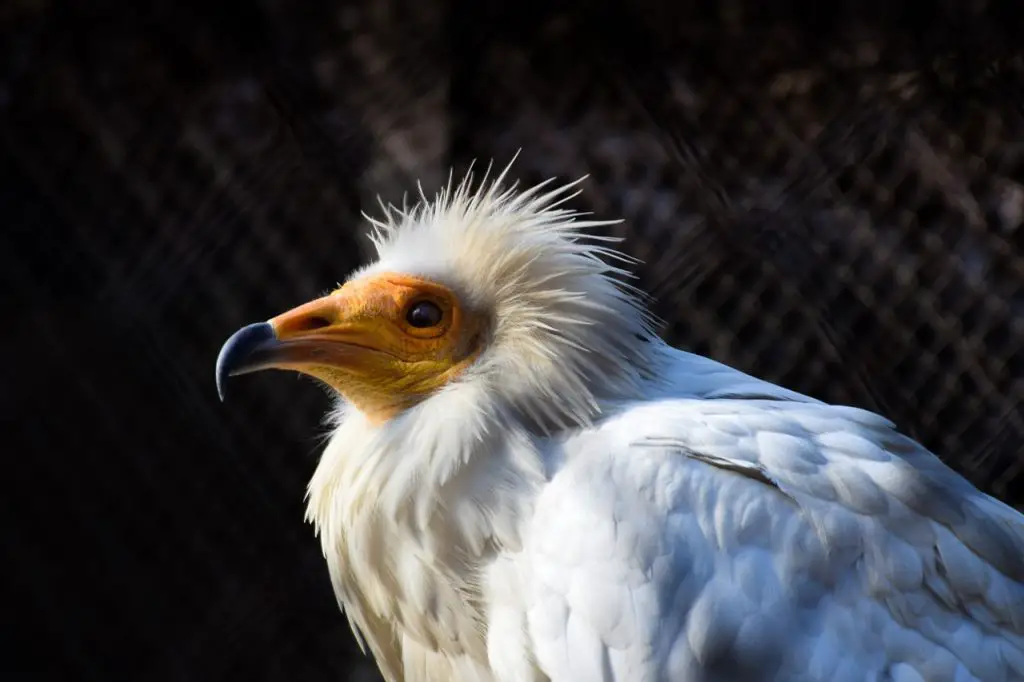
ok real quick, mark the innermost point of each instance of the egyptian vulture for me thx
(525, 484)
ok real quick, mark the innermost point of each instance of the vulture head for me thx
(494, 301)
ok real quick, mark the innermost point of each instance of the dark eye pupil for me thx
(424, 314)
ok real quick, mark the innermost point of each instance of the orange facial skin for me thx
(360, 341)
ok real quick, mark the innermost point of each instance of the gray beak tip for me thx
(236, 352)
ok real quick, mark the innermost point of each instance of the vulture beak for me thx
(322, 335)
(250, 349)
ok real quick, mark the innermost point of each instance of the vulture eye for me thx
(424, 314)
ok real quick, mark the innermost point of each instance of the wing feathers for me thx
(928, 526)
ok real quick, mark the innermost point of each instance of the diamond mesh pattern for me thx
(832, 200)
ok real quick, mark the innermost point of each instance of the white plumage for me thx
(575, 501)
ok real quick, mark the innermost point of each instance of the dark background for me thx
(828, 195)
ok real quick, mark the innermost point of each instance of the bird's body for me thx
(541, 490)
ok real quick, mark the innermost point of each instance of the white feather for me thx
(586, 503)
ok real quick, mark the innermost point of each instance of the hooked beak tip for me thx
(237, 353)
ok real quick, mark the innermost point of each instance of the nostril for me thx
(315, 322)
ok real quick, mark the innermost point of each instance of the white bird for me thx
(525, 484)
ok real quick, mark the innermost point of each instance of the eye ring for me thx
(424, 315)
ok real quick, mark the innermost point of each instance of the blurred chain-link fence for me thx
(828, 196)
